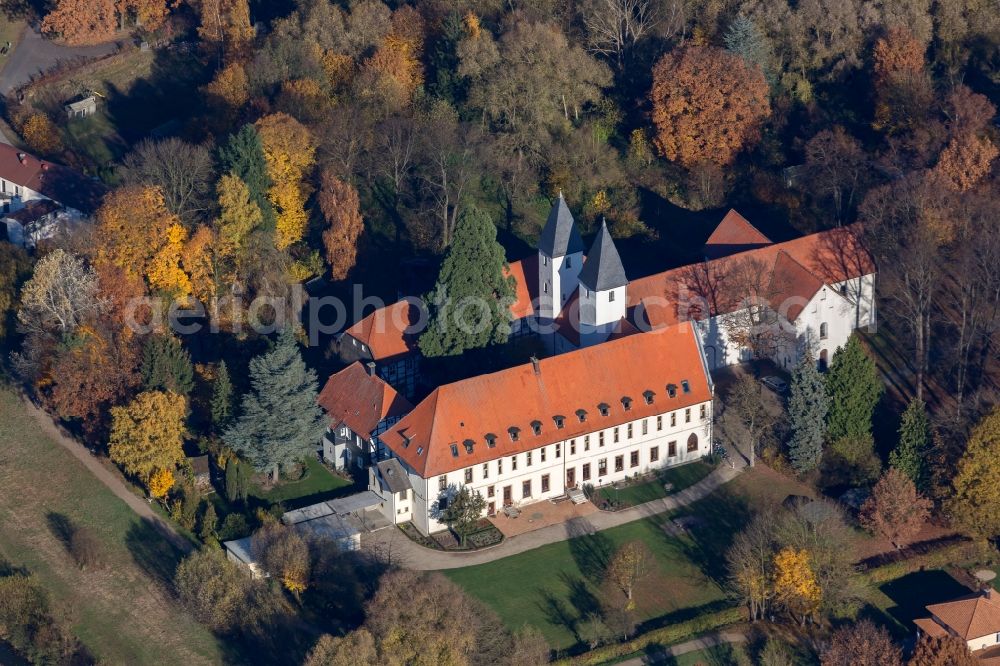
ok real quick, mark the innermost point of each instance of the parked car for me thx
(776, 384)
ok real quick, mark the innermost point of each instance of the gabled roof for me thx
(734, 234)
(360, 400)
(525, 273)
(970, 618)
(560, 236)
(680, 294)
(390, 331)
(603, 268)
(467, 411)
(59, 183)
(792, 286)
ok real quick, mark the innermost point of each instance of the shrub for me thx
(235, 526)
(85, 548)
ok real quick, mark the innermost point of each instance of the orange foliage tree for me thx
(708, 104)
(149, 14)
(81, 22)
(342, 211)
(41, 134)
(226, 24)
(290, 151)
(199, 262)
(965, 161)
(230, 89)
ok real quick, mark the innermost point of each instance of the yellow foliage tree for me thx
(795, 585)
(290, 153)
(164, 272)
(199, 262)
(147, 433)
(160, 483)
(226, 23)
(239, 215)
(230, 88)
(41, 134)
(132, 226)
(976, 501)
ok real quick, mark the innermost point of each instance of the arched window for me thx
(823, 360)
(823, 330)
(692, 443)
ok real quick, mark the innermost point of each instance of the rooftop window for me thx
(536, 427)
(454, 449)
(468, 445)
(685, 386)
(672, 390)
(560, 421)
(581, 414)
(491, 440)
(648, 397)
(604, 409)
(515, 432)
(627, 403)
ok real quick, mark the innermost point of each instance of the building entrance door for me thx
(508, 497)
(571, 477)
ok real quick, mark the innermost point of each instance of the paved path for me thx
(35, 54)
(105, 476)
(393, 543)
(703, 643)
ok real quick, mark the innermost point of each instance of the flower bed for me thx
(484, 535)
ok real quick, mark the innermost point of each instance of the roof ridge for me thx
(560, 236)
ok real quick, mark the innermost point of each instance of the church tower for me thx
(560, 258)
(603, 290)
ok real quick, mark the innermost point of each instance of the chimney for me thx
(536, 365)
(370, 366)
(45, 167)
(22, 158)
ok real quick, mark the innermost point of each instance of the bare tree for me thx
(183, 172)
(748, 318)
(745, 403)
(448, 165)
(749, 562)
(60, 293)
(628, 566)
(615, 26)
(836, 164)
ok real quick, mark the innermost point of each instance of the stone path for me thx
(391, 542)
(702, 643)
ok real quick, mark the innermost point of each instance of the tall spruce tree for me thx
(243, 156)
(914, 441)
(280, 422)
(746, 40)
(808, 405)
(855, 388)
(222, 397)
(470, 304)
(166, 365)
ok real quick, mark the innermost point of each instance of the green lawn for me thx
(122, 612)
(681, 477)
(317, 485)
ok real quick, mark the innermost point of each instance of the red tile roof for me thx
(493, 403)
(390, 331)
(54, 181)
(930, 627)
(525, 272)
(734, 234)
(792, 286)
(672, 296)
(970, 618)
(360, 400)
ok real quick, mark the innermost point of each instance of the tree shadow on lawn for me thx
(61, 526)
(152, 552)
(558, 613)
(721, 516)
(591, 550)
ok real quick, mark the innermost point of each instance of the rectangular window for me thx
(545, 483)
(630, 431)
(442, 482)
(687, 415)
(527, 459)
(616, 435)
(468, 475)
(486, 471)
(526, 488)
(586, 472)
(654, 454)
(611, 296)
(499, 466)
(542, 454)
(645, 426)
(513, 463)
(673, 419)
(586, 442)
(600, 439)
(703, 412)
(490, 492)
(602, 467)
(572, 447)
(659, 422)
(633, 459)
(619, 463)
(558, 450)
(671, 449)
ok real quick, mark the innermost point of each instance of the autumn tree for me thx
(147, 433)
(861, 644)
(903, 88)
(243, 157)
(41, 134)
(29, 625)
(747, 404)
(289, 151)
(160, 483)
(975, 505)
(146, 14)
(795, 586)
(61, 293)
(338, 200)
(164, 272)
(837, 167)
(357, 647)
(239, 216)
(225, 25)
(229, 91)
(966, 161)
(282, 552)
(628, 567)
(895, 511)
(82, 22)
(749, 562)
(181, 171)
(944, 650)
(708, 104)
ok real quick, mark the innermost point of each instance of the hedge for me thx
(675, 633)
(951, 554)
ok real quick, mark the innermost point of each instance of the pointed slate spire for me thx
(560, 237)
(603, 269)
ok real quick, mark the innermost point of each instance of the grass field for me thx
(681, 477)
(317, 485)
(121, 611)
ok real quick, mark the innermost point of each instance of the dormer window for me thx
(648, 397)
(685, 386)
(627, 403)
(672, 390)
(604, 409)
(406, 441)
(454, 450)
(491, 440)
(514, 432)
(536, 427)
(468, 445)
(560, 421)
(581, 414)
(420, 450)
